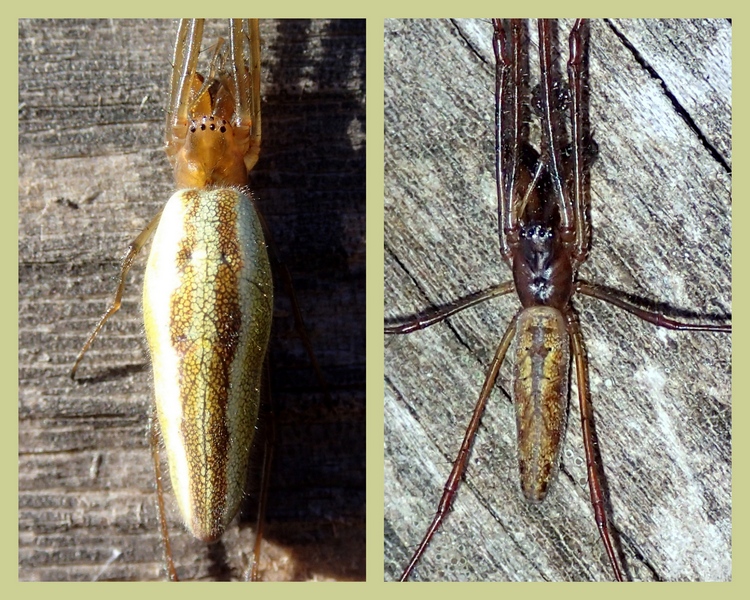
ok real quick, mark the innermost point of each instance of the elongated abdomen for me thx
(207, 308)
(540, 392)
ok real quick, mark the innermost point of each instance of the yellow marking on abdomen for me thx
(540, 393)
(207, 304)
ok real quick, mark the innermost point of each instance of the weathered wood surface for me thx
(660, 110)
(92, 174)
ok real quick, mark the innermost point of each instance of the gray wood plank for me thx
(661, 214)
(92, 173)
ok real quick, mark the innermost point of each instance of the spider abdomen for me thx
(540, 387)
(207, 308)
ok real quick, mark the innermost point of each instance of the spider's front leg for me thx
(244, 41)
(508, 131)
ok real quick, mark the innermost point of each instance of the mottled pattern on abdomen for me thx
(540, 393)
(207, 308)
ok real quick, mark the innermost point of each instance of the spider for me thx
(208, 290)
(100, 141)
(525, 173)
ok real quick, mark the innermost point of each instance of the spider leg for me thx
(424, 320)
(244, 44)
(114, 306)
(154, 441)
(650, 316)
(462, 460)
(184, 67)
(575, 75)
(550, 145)
(508, 130)
(589, 442)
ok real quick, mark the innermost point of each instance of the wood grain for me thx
(92, 173)
(660, 111)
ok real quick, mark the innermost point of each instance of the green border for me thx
(375, 12)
